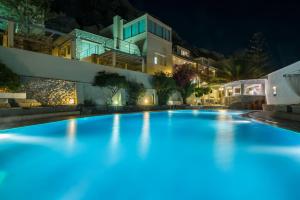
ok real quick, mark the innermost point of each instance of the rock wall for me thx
(50, 92)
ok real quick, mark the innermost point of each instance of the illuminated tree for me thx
(184, 76)
(201, 91)
(164, 85)
(112, 81)
(135, 91)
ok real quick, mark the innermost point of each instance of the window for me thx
(168, 35)
(159, 31)
(160, 59)
(142, 26)
(184, 53)
(151, 26)
(237, 91)
(135, 29)
(127, 32)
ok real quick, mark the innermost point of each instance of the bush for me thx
(8, 79)
(89, 102)
(201, 91)
(113, 81)
(135, 91)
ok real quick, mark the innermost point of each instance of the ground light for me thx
(72, 101)
(146, 101)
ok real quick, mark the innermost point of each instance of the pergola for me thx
(118, 59)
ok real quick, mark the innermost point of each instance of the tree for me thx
(201, 91)
(237, 67)
(28, 12)
(8, 79)
(135, 91)
(250, 63)
(257, 55)
(114, 82)
(184, 76)
(164, 85)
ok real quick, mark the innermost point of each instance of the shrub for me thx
(164, 85)
(135, 91)
(8, 79)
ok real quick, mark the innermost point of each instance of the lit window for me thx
(184, 53)
(155, 60)
(127, 32)
(142, 26)
(134, 29)
(274, 91)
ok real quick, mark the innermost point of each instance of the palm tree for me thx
(238, 67)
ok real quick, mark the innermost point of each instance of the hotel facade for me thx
(139, 48)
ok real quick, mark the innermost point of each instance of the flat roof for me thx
(249, 81)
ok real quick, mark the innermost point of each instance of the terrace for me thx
(244, 93)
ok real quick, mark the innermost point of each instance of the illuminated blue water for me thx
(160, 155)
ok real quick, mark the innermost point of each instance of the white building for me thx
(153, 38)
(283, 86)
(242, 94)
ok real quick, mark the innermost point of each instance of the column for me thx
(143, 65)
(73, 49)
(242, 89)
(114, 59)
(10, 34)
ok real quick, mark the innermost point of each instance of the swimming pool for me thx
(153, 155)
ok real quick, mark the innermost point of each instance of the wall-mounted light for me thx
(155, 60)
(274, 91)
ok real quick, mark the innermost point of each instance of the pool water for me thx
(153, 155)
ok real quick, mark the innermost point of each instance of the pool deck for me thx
(283, 120)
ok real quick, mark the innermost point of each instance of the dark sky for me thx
(226, 26)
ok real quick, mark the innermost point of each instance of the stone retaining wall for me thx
(50, 92)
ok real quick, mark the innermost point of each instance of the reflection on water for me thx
(115, 137)
(170, 113)
(2, 177)
(224, 143)
(195, 112)
(4, 137)
(145, 135)
(293, 151)
(72, 130)
(26, 139)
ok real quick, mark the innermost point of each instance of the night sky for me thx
(227, 26)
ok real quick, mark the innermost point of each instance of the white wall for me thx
(12, 95)
(27, 63)
(158, 45)
(285, 94)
